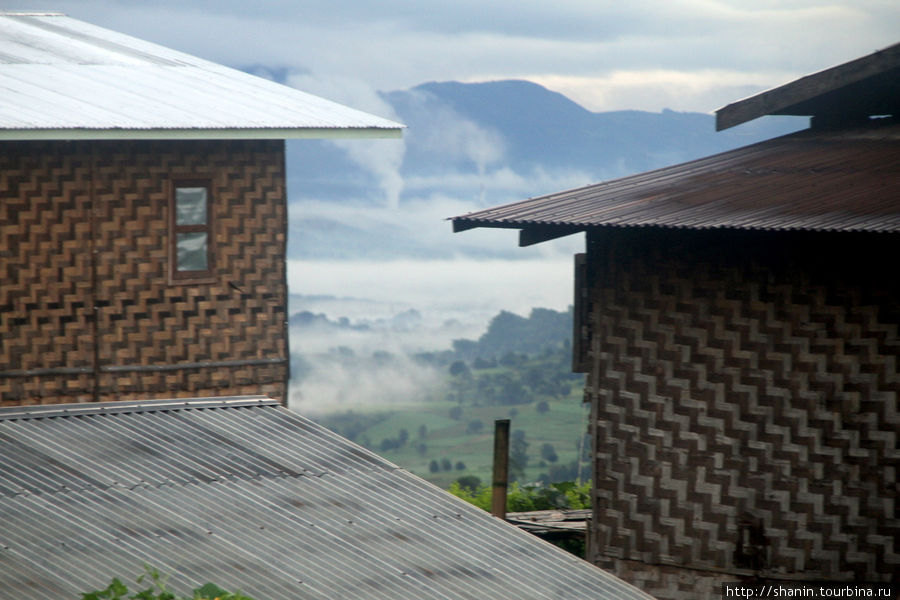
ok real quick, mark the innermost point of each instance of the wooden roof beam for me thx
(536, 234)
(796, 98)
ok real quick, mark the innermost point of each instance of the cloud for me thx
(696, 91)
(381, 158)
(334, 385)
(502, 184)
(445, 286)
(418, 228)
(397, 45)
(458, 138)
(452, 144)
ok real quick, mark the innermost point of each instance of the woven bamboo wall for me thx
(744, 392)
(84, 225)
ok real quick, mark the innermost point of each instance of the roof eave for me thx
(202, 134)
(530, 233)
(783, 99)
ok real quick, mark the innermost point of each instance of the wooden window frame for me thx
(581, 321)
(207, 275)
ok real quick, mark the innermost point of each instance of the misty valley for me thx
(430, 408)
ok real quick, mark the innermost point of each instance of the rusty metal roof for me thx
(61, 78)
(246, 494)
(845, 180)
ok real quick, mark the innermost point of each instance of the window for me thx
(190, 231)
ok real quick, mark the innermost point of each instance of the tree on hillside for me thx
(512, 359)
(548, 452)
(465, 349)
(459, 368)
(484, 363)
(469, 482)
(508, 332)
(513, 392)
(518, 455)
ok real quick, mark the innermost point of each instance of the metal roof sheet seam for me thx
(246, 493)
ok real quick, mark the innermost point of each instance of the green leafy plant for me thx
(159, 590)
(562, 495)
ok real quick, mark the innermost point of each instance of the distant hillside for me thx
(544, 129)
(492, 143)
(543, 330)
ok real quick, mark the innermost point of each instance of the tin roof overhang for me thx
(847, 180)
(197, 133)
(61, 78)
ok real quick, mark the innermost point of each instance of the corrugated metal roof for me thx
(63, 78)
(247, 494)
(811, 180)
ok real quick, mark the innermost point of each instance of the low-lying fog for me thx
(360, 309)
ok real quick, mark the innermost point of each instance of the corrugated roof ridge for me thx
(41, 411)
(127, 487)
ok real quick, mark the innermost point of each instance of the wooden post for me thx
(501, 468)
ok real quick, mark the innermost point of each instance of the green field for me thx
(458, 440)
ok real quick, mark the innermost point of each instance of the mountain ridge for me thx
(545, 128)
(473, 145)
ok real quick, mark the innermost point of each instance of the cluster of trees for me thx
(523, 498)
(530, 380)
(516, 361)
(351, 424)
(445, 464)
(394, 443)
(509, 334)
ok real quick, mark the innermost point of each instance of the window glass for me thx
(190, 206)
(192, 251)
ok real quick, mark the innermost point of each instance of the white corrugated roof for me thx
(64, 78)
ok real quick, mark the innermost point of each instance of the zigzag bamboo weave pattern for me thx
(734, 394)
(83, 228)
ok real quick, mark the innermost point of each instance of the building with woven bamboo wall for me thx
(143, 217)
(739, 324)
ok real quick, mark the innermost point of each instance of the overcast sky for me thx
(695, 55)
